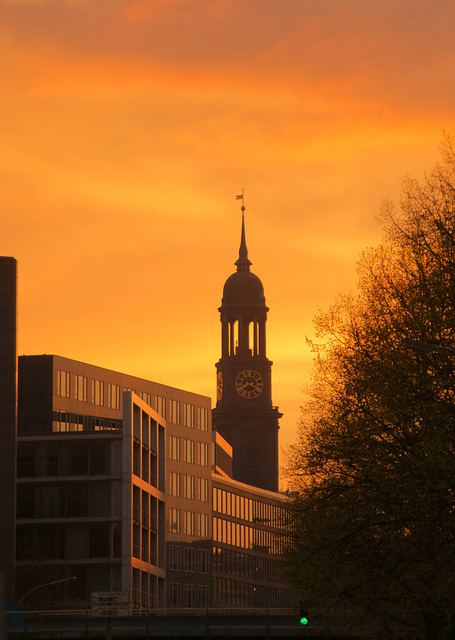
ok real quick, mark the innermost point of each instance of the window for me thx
(203, 561)
(188, 595)
(76, 546)
(136, 459)
(189, 451)
(63, 384)
(203, 525)
(76, 500)
(99, 499)
(174, 411)
(73, 459)
(146, 397)
(174, 594)
(80, 388)
(202, 454)
(188, 415)
(26, 466)
(113, 396)
(174, 448)
(174, 484)
(203, 490)
(99, 457)
(136, 541)
(202, 596)
(117, 541)
(25, 501)
(160, 406)
(99, 540)
(188, 523)
(46, 459)
(174, 520)
(188, 487)
(190, 556)
(202, 419)
(97, 389)
(174, 557)
(24, 542)
(46, 542)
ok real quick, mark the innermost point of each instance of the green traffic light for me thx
(303, 621)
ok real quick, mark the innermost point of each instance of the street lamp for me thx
(46, 584)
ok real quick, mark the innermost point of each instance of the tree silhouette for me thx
(374, 463)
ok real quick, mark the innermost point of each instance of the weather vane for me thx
(242, 198)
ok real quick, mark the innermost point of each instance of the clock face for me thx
(249, 383)
(219, 386)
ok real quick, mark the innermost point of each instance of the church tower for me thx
(244, 414)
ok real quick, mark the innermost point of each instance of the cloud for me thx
(373, 59)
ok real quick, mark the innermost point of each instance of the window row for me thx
(183, 413)
(248, 565)
(188, 451)
(107, 394)
(243, 508)
(145, 508)
(189, 523)
(187, 596)
(246, 537)
(69, 500)
(190, 487)
(71, 541)
(248, 594)
(188, 559)
(38, 459)
(145, 590)
(84, 389)
(63, 421)
(145, 544)
(145, 464)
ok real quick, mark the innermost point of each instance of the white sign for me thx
(110, 597)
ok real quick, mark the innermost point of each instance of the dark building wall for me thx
(35, 395)
(8, 413)
(254, 439)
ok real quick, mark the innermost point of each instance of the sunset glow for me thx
(128, 127)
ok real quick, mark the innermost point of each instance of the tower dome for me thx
(243, 288)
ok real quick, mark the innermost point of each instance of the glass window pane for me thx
(99, 499)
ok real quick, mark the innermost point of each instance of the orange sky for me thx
(128, 127)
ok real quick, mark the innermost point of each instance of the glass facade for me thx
(249, 537)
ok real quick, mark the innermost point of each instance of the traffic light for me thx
(303, 617)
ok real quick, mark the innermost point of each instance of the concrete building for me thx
(95, 464)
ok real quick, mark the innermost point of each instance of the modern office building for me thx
(108, 488)
(244, 413)
(249, 538)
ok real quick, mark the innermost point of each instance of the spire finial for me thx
(243, 263)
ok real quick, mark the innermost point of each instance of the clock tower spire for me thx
(244, 414)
